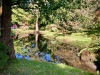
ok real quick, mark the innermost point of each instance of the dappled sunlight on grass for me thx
(25, 67)
(61, 65)
(72, 71)
(74, 38)
(79, 38)
(49, 34)
(78, 41)
(21, 31)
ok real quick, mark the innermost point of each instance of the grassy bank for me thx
(25, 67)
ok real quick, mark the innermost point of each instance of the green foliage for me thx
(94, 26)
(3, 60)
(3, 55)
(94, 46)
(20, 3)
(21, 16)
(57, 12)
(18, 47)
(4, 48)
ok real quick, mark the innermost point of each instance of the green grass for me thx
(78, 41)
(25, 67)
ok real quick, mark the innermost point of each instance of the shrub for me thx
(94, 46)
(3, 59)
(4, 50)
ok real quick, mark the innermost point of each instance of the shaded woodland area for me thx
(69, 29)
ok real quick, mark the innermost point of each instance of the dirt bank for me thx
(70, 56)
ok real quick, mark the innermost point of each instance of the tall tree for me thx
(6, 23)
(6, 26)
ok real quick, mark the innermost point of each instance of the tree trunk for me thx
(6, 27)
(37, 29)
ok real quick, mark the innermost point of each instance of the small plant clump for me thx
(4, 50)
(94, 46)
